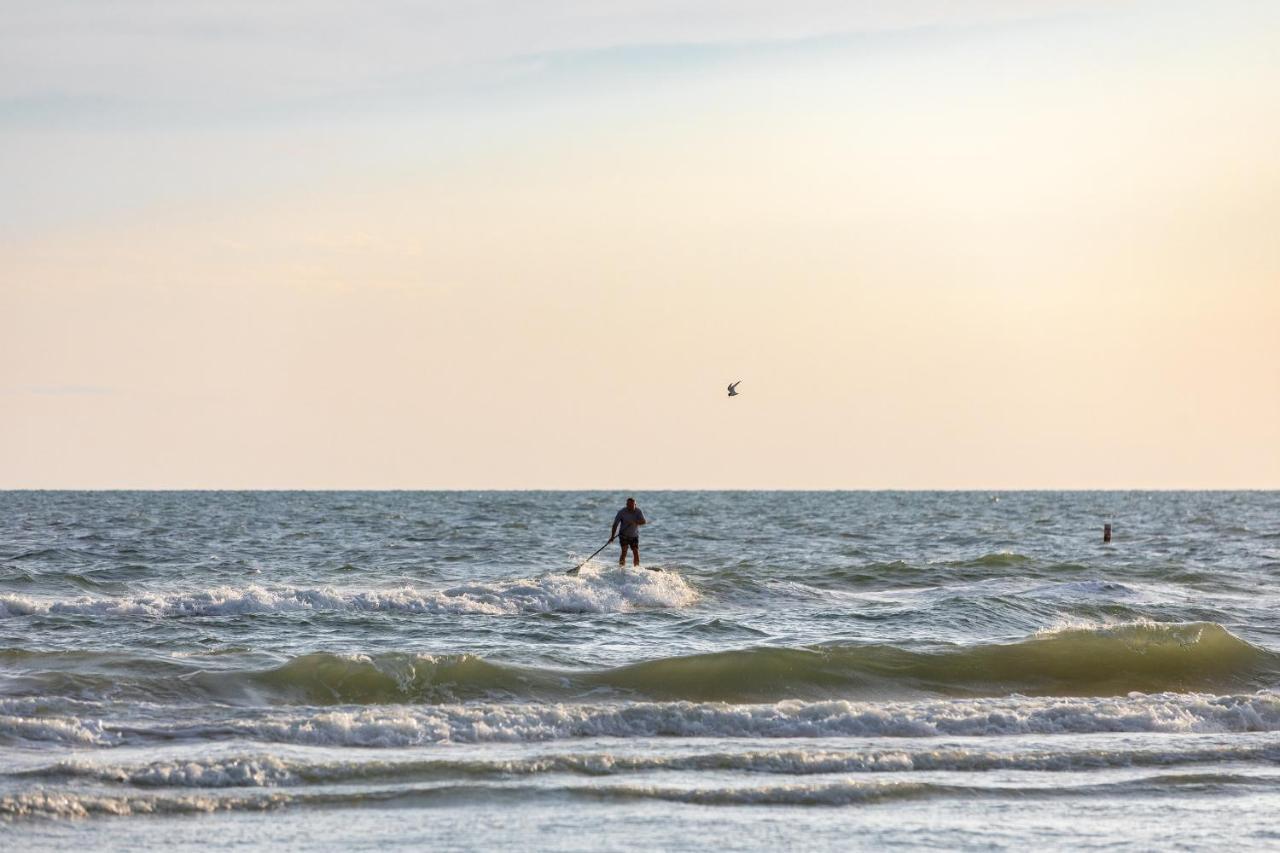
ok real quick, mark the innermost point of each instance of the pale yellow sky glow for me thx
(1029, 247)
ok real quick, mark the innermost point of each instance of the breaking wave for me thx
(409, 725)
(1147, 658)
(270, 771)
(593, 591)
(840, 792)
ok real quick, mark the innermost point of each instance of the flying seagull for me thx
(733, 388)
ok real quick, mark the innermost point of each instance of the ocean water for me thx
(807, 671)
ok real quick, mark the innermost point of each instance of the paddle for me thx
(574, 570)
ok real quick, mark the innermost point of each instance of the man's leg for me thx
(622, 558)
(635, 554)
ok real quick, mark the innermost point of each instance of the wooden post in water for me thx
(1106, 533)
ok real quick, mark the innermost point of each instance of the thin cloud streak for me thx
(132, 60)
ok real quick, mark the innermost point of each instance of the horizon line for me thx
(836, 490)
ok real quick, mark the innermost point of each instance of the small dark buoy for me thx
(1106, 533)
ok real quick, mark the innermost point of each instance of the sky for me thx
(996, 244)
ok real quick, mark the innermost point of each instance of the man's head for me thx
(631, 503)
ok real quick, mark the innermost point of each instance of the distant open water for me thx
(809, 670)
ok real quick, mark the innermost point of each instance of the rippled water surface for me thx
(816, 670)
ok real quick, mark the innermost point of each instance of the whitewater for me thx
(819, 670)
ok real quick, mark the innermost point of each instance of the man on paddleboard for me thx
(629, 518)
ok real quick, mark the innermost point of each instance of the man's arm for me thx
(613, 531)
(642, 518)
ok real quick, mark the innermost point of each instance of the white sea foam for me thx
(269, 771)
(78, 805)
(396, 726)
(251, 771)
(68, 804)
(851, 791)
(842, 793)
(56, 729)
(1004, 716)
(838, 792)
(877, 761)
(592, 591)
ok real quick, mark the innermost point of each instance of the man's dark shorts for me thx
(629, 542)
